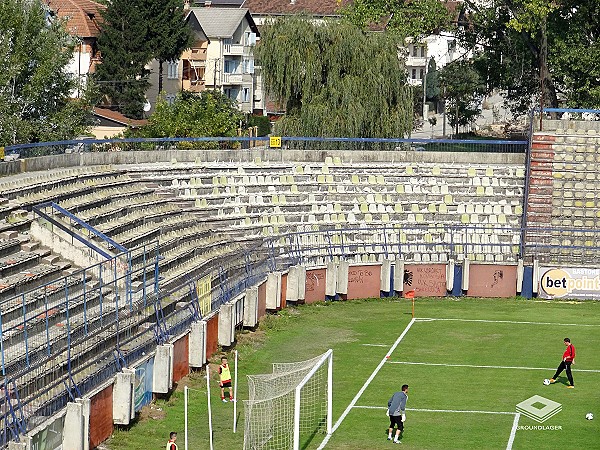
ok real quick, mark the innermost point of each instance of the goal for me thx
(291, 407)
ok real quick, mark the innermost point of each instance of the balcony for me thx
(193, 85)
(233, 78)
(196, 54)
(233, 49)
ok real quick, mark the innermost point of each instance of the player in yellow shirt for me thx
(225, 379)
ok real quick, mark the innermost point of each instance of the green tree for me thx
(123, 42)
(463, 91)
(210, 113)
(34, 85)
(335, 80)
(522, 46)
(432, 83)
(169, 35)
(404, 18)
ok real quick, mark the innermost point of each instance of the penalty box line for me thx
(513, 430)
(433, 319)
(367, 383)
(487, 367)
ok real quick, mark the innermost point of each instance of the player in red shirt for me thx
(567, 360)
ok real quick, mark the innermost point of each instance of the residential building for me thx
(82, 21)
(229, 65)
(186, 73)
(262, 10)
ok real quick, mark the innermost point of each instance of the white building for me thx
(232, 35)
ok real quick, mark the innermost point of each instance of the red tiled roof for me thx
(116, 116)
(279, 7)
(83, 16)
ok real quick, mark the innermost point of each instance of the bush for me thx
(262, 122)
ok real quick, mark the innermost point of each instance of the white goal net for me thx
(291, 407)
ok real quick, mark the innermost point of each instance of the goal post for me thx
(326, 359)
(290, 407)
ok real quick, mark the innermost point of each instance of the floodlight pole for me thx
(185, 413)
(235, 399)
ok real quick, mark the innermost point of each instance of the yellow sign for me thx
(2, 153)
(275, 142)
(203, 290)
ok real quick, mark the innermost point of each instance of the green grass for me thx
(307, 331)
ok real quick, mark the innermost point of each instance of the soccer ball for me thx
(589, 416)
(546, 382)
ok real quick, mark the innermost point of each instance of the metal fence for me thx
(287, 142)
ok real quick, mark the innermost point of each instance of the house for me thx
(108, 123)
(185, 74)
(82, 20)
(229, 65)
(262, 10)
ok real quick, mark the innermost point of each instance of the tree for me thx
(432, 84)
(34, 85)
(406, 18)
(210, 113)
(123, 43)
(463, 91)
(526, 47)
(335, 80)
(169, 36)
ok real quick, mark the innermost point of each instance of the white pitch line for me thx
(443, 410)
(485, 367)
(431, 319)
(364, 387)
(513, 431)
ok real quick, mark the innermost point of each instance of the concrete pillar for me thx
(86, 408)
(197, 340)
(465, 275)
(73, 434)
(162, 379)
(226, 324)
(274, 290)
(331, 279)
(123, 397)
(291, 290)
(251, 307)
(536, 276)
(342, 277)
(386, 275)
(520, 271)
(450, 275)
(20, 445)
(301, 282)
(399, 275)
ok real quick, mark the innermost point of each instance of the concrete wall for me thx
(266, 154)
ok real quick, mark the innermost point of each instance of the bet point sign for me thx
(569, 282)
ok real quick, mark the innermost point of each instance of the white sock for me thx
(390, 435)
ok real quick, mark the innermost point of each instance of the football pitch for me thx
(468, 362)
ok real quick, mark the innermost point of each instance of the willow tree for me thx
(335, 80)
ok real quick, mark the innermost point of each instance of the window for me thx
(421, 72)
(414, 50)
(248, 65)
(231, 93)
(249, 38)
(246, 95)
(422, 51)
(230, 66)
(170, 98)
(414, 74)
(172, 70)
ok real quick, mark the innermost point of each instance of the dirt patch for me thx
(152, 412)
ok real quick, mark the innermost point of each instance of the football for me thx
(546, 381)
(589, 416)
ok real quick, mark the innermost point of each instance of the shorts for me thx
(396, 420)
(226, 384)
